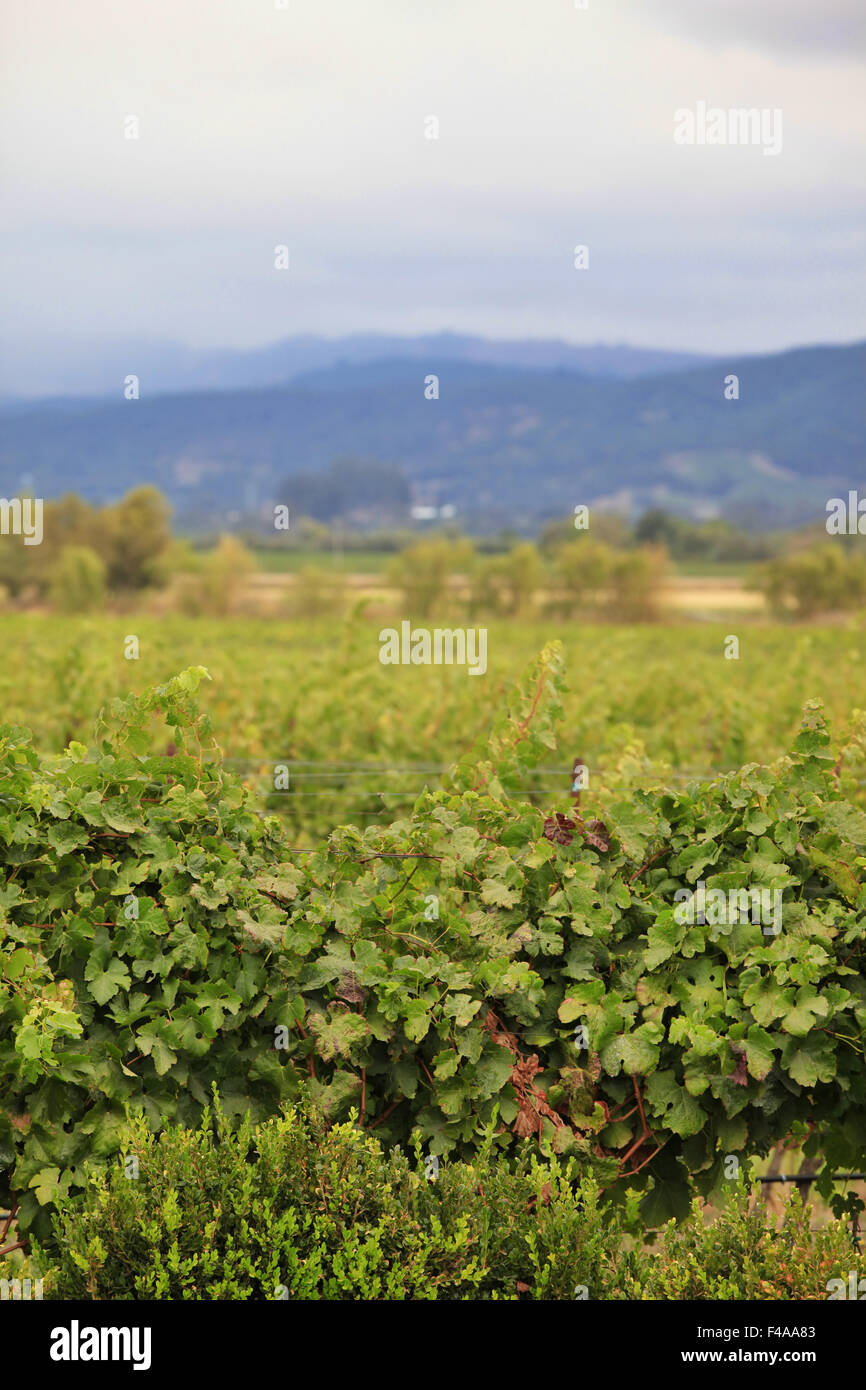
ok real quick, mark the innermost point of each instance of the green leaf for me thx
(664, 936)
(104, 984)
(667, 1200)
(417, 1021)
(759, 1047)
(637, 1053)
(809, 1005)
(810, 1061)
(671, 1102)
(492, 1071)
(407, 1074)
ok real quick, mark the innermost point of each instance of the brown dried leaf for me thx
(349, 987)
(740, 1076)
(597, 835)
(560, 829)
(525, 1124)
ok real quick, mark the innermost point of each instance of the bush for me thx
(479, 954)
(128, 537)
(294, 1209)
(505, 585)
(422, 573)
(636, 579)
(78, 580)
(214, 589)
(595, 580)
(741, 1255)
(826, 578)
(131, 535)
(317, 592)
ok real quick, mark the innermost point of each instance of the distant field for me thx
(656, 702)
(704, 596)
(699, 595)
(351, 561)
(375, 561)
(710, 569)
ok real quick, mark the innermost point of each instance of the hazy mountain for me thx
(505, 446)
(99, 369)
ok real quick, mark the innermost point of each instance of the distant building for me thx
(425, 512)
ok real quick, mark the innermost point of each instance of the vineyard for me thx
(360, 740)
(433, 694)
(425, 935)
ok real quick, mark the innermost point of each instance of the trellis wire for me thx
(805, 1180)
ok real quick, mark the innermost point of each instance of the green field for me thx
(353, 561)
(644, 703)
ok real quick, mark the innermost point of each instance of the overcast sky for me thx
(305, 125)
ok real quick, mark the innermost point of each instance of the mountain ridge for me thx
(172, 368)
(505, 446)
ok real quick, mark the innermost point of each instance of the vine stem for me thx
(386, 1112)
(13, 1211)
(525, 723)
(649, 861)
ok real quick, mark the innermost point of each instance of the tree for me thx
(215, 588)
(317, 592)
(78, 580)
(620, 584)
(422, 572)
(506, 584)
(133, 534)
(824, 579)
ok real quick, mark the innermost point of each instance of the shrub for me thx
(422, 573)
(132, 534)
(636, 579)
(294, 1209)
(593, 579)
(78, 580)
(128, 537)
(476, 958)
(826, 578)
(741, 1255)
(317, 592)
(505, 585)
(214, 589)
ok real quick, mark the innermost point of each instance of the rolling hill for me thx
(505, 445)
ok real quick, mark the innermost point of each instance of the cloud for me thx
(305, 126)
(810, 28)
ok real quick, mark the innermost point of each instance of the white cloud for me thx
(306, 126)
